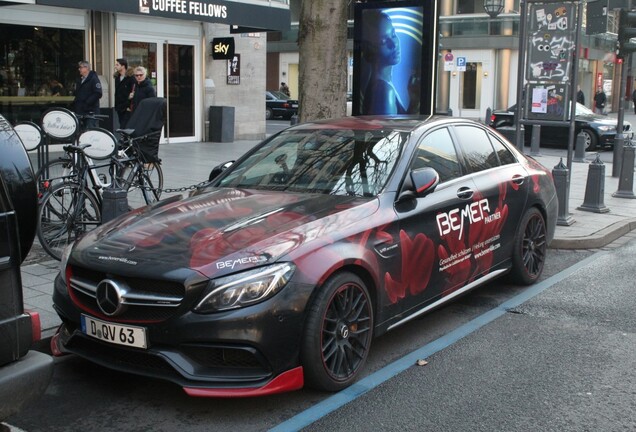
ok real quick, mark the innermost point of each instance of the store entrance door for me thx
(171, 68)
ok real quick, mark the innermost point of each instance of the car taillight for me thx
(286, 105)
(36, 325)
(492, 118)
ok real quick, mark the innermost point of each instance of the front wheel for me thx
(66, 212)
(338, 333)
(589, 139)
(143, 183)
(529, 252)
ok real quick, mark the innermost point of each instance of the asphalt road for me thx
(563, 360)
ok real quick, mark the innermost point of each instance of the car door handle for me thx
(518, 179)
(465, 193)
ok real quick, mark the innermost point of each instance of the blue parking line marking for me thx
(332, 403)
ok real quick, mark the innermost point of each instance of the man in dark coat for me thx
(142, 88)
(123, 86)
(599, 101)
(88, 92)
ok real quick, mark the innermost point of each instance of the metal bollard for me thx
(487, 120)
(114, 203)
(579, 149)
(595, 188)
(562, 184)
(293, 120)
(535, 140)
(626, 178)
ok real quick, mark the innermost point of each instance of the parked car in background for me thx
(598, 130)
(281, 271)
(278, 104)
(24, 373)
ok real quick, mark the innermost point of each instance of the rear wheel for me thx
(338, 333)
(269, 114)
(53, 173)
(65, 213)
(528, 255)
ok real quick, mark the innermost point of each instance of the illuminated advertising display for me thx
(395, 60)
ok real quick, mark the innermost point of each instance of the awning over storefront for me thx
(272, 16)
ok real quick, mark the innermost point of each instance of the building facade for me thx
(43, 40)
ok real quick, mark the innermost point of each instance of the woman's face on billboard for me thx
(387, 43)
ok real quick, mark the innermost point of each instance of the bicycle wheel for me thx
(145, 185)
(59, 171)
(65, 213)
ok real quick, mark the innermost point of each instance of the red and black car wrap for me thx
(161, 268)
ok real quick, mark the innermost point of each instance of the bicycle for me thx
(54, 171)
(72, 206)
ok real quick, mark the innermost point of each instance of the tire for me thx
(590, 139)
(142, 188)
(269, 114)
(338, 333)
(58, 222)
(529, 249)
(59, 171)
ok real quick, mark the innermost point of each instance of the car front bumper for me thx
(244, 352)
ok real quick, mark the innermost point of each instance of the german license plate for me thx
(114, 333)
(294, 105)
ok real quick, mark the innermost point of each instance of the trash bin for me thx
(221, 124)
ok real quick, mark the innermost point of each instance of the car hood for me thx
(215, 232)
(600, 120)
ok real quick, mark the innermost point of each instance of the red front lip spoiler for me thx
(287, 381)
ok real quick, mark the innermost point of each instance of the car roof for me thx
(399, 122)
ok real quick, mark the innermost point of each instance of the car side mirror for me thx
(217, 170)
(424, 181)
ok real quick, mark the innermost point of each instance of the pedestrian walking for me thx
(634, 100)
(580, 96)
(599, 101)
(88, 92)
(142, 88)
(285, 89)
(123, 86)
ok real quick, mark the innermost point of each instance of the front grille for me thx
(210, 364)
(119, 357)
(146, 300)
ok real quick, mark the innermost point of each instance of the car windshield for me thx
(583, 110)
(279, 95)
(326, 161)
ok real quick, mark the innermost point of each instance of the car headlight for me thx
(607, 128)
(245, 288)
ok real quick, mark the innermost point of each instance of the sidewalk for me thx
(190, 163)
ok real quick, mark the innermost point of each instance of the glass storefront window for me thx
(38, 66)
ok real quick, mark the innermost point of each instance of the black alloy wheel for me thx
(529, 253)
(338, 333)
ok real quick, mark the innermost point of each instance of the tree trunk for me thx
(322, 46)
